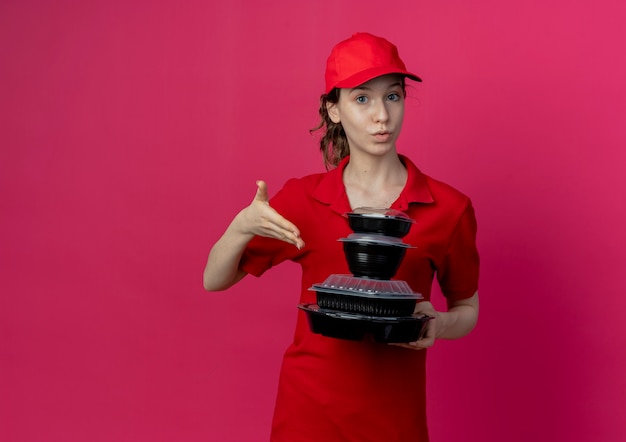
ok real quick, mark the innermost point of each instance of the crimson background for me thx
(132, 132)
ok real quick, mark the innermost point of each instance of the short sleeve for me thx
(458, 275)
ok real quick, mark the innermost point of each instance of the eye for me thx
(393, 97)
(361, 99)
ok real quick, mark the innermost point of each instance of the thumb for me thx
(261, 192)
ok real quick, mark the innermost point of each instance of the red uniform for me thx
(338, 390)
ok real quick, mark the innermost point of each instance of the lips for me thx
(382, 136)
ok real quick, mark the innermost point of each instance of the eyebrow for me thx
(391, 86)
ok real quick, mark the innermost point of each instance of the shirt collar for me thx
(331, 191)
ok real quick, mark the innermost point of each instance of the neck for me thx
(375, 171)
(374, 181)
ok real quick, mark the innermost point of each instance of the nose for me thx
(380, 112)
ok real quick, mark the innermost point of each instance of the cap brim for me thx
(365, 76)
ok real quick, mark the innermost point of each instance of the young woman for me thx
(340, 390)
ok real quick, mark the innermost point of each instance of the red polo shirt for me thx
(337, 390)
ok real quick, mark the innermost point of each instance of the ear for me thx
(333, 112)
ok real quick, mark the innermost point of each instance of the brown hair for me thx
(334, 143)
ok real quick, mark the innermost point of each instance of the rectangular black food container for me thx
(355, 327)
(377, 305)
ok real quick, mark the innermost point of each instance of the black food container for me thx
(366, 296)
(355, 327)
(366, 305)
(387, 222)
(373, 256)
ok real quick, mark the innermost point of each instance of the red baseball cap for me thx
(360, 58)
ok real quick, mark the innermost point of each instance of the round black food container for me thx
(386, 222)
(373, 256)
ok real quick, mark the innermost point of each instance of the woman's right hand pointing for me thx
(259, 218)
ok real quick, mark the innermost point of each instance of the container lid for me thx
(375, 212)
(365, 287)
(375, 238)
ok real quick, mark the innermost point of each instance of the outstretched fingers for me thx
(271, 223)
(275, 226)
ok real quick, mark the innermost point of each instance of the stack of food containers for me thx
(369, 302)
